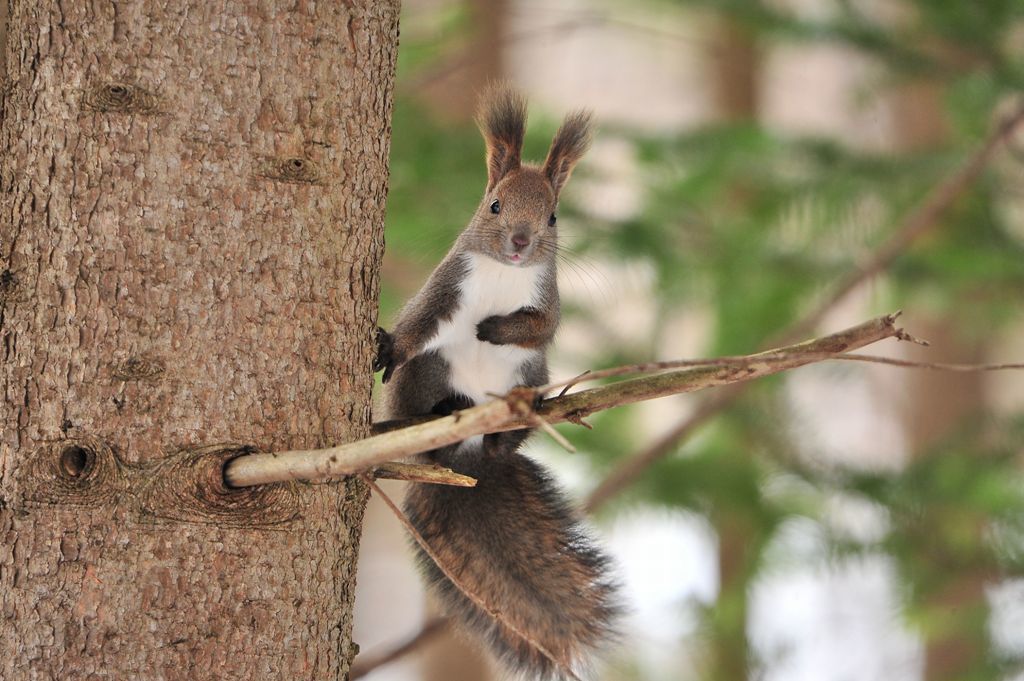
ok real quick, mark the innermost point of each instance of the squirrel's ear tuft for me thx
(501, 116)
(571, 141)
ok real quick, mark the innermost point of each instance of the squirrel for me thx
(478, 328)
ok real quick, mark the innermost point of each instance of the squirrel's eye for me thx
(552, 220)
(496, 207)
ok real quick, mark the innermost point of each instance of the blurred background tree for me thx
(839, 522)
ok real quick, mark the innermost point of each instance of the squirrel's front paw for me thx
(487, 330)
(386, 356)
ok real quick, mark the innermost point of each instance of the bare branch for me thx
(366, 664)
(554, 434)
(733, 360)
(742, 369)
(418, 472)
(630, 468)
(515, 412)
(650, 367)
(938, 366)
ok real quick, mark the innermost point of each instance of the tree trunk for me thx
(734, 67)
(936, 405)
(452, 90)
(192, 213)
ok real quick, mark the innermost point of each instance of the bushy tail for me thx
(514, 542)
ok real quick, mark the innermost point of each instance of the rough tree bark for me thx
(192, 213)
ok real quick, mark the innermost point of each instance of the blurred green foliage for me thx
(752, 226)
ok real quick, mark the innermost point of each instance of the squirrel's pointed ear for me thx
(571, 141)
(501, 117)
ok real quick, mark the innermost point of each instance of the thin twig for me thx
(740, 360)
(430, 630)
(625, 473)
(525, 407)
(567, 385)
(696, 378)
(554, 434)
(938, 366)
(726, 360)
(630, 468)
(424, 473)
(516, 411)
(477, 600)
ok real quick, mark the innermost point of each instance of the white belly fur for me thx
(480, 369)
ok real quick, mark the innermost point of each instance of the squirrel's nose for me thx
(520, 240)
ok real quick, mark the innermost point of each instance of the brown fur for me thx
(436, 302)
(527, 328)
(571, 141)
(527, 202)
(513, 540)
(501, 118)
